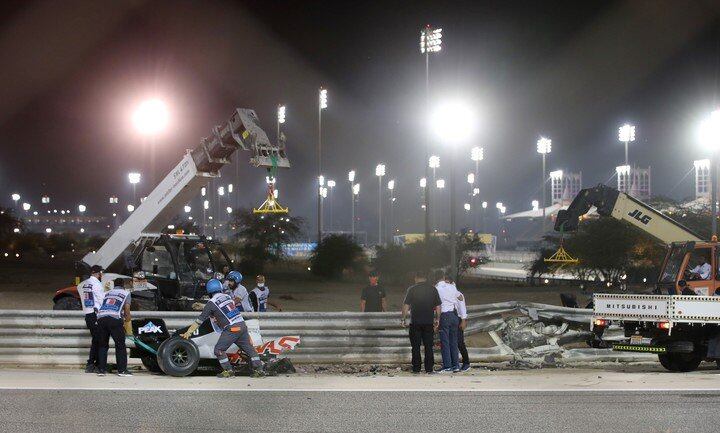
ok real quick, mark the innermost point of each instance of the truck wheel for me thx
(151, 364)
(178, 357)
(680, 362)
(67, 303)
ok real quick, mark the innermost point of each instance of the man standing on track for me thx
(91, 296)
(449, 324)
(423, 302)
(373, 297)
(114, 321)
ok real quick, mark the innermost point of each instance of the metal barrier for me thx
(46, 337)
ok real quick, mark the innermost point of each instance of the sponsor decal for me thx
(627, 306)
(645, 219)
(150, 328)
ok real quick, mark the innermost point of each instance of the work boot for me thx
(226, 374)
(90, 369)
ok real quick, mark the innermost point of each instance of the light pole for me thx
(134, 179)
(391, 188)
(206, 206)
(321, 185)
(351, 179)
(356, 192)
(544, 146)
(280, 120)
(380, 172)
(322, 104)
(484, 207)
(430, 42)
(150, 119)
(331, 185)
(434, 164)
(710, 138)
(454, 123)
(626, 134)
(15, 197)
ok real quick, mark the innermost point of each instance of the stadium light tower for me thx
(710, 139)
(544, 147)
(15, 197)
(380, 172)
(280, 120)
(322, 104)
(430, 42)
(454, 123)
(351, 179)
(626, 134)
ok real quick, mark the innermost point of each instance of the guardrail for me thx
(46, 337)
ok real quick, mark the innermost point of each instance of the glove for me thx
(190, 331)
(128, 328)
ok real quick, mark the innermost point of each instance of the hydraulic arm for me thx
(611, 202)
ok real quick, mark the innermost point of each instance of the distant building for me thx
(564, 186)
(634, 181)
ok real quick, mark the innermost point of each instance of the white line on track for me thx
(515, 391)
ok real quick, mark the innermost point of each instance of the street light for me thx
(710, 139)
(544, 146)
(134, 179)
(430, 42)
(380, 172)
(454, 123)
(322, 104)
(626, 134)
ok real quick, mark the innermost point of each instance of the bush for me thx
(335, 254)
(397, 263)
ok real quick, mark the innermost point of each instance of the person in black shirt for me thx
(423, 303)
(372, 299)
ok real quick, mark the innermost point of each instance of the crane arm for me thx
(185, 180)
(613, 203)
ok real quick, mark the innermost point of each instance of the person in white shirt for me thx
(91, 297)
(702, 271)
(114, 321)
(449, 324)
(461, 310)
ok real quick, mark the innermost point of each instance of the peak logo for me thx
(150, 328)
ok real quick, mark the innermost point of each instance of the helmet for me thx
(213, 286)
(235, 276)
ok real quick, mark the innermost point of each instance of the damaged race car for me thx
(160, 352)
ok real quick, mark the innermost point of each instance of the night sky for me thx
(573, 71)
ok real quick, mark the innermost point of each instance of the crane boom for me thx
(185, 180)
(611, 202)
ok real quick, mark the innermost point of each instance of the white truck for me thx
(681, 321)
(177, 266)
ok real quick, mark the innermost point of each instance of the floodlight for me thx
(466, 206)
(476, 191)
(331, 183)
(26, 206)
(356, 189)
(45, 199)
(82, 208)
(15, 197)
(453, 121)
(477, 153)
(535, 205)
(228, 209)
(380, 170)
(557, 174)
(484, 205)
(151, 117)
(626, 133)
(430, 40)
(351, 176)
(702, 164)
(544, 145)
(130, 208)
(391, 185)
(423, 182)
(323, 98)
(206, 205)
(434, 161)
(134, 178)
(622, 169)
(321, 180)
(281, 114)
(710, 131)
(471, 178)
(187, 209)
(440, 183)
(221, 191)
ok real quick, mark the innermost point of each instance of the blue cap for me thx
(213, 286)
(235, 276)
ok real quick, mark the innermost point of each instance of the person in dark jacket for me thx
(422, 303)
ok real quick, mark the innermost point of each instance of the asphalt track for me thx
(509, 401)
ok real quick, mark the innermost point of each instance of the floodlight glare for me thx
(434, 161)
(206, 205)
(622, 170)
(499, 205)
(82, 208)
(484, 205)
(113, 200)
(476, 191)
(228, 209)
(466, 206)
(151, 117)
(26, 206)
(430, 40)
(323, 192)
(544, 145)
(477, 153)
(15, 197)
(710, 131)
(626, 133)
(203, 191)
(380, 170)
(440, 183)
(134, 178)
(351, 176)
(45, 199)
(356, 189)
(281, 114)
(702, 164)
(453, 121)
(423, 182)
(471, 178)
(221, 191)
(230, 188)
(323, 98)
(130, 208)
(321, 180)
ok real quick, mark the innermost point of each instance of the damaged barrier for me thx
(521, 332)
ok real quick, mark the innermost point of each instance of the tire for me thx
(178, 357)
(680, 362)
(67, 303)
(151, 364)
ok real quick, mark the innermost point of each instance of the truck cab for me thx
(685, 269)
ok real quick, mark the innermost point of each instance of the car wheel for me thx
(151, 364)
(67, 303)
(178, 357)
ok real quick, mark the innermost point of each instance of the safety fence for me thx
(518, 330)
